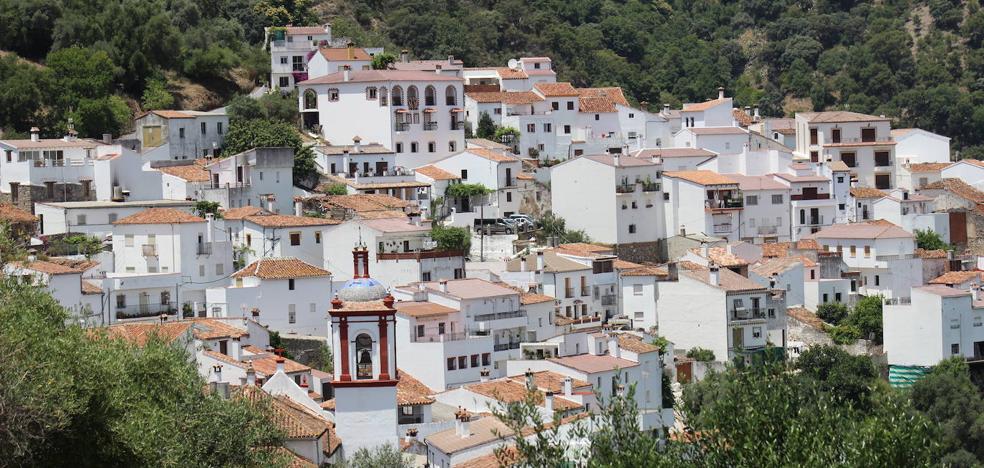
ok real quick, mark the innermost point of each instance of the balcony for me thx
(722, 228)
(430, 126)
(440, 338)
(608, 299)
(898, 301)
(767, 230)
(650, 187)
(457, 125)
(499, 316)
(809, 196)
(506, 346)
(419, 254)
(725, 204)
(568, 293)
(149, 250)
(753, 313)
(625, 188)
(402, 126)
(864, 141)
(205, 249)
(144, 310)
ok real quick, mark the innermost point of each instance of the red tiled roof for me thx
(12, 214)
(160, 216)
(241, 212)
(505, 97)
(280, 268)
(195, 172)
(435, 173)
(556, 89)
(281, 221)
(702, 106)
(958, 277)
(702, 177)
(341, 54)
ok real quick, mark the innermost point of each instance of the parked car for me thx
(524, 221)
(496, 226)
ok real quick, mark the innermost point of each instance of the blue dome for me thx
(362, 290)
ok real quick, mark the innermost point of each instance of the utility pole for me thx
(481, 234)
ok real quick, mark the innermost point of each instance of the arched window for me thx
(382, 97)
(451, 96)
(397, 96)
(310, 99)
(430, 98)
(363, 357)
(413, 99)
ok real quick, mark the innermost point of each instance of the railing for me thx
(402, 126)
(585, 291)
(768, 230)
(419, 254)
(430, 125)
(568, 293)
(457, 336)
(205, 249)
(650, 187)
(506, 346)
(144, 310)
(721, 228)
(898, 300)
(724, 204)
(149, 250)
(814, 221)
(499, 316)
(884, 163)
(583, 320)
(457, 125)
(885, 258)
(625, 188)
(608, 299)
(876, 140)
(813, 196)
(748, 314)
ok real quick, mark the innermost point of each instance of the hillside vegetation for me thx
(921, 63)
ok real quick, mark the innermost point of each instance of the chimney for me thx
(255, 312)
(280, 364)
(210, 222)
(720, 92)
(219, 387)
(35, 134)
(522, 264)
(704, 250)
(729, 248)
(755, 114)
(351, 50)
(529, 379)
(298, 208)
(411, 435)
(539, 261)
(672, 271)
(683, 231)
(613, 348)
(437, 68)
(405, 56)
(461, 422)
(666, 108)
(748, 110)
(107, 138)
(346, 73)
(444, 285)
(714, 277)
(905, 194)
(484, 374)
(450, 59)
(357, 144)
(250, 374)
(415, 219)
(269, 202)
(568, 386)
(615, 160)
(773, 280)
(548, 401)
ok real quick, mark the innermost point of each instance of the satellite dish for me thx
(514, 64)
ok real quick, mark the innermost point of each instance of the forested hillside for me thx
(920, 62)
(96, 61)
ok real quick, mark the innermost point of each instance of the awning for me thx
(456, 109)
(401, 111)
(429, 110)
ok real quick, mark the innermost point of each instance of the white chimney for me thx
(539, 261)
(548, 401)
(461, 422)
(613, 348)
(683, 231)
(714, 276)
(450, 59)
(755, 114)
(107, 138)
(444, 286)
(704, 249)
(405, 56)
(568, 386)
(437, 68)
(729, 248)
(280, 364)
(720, 92)
(522, 264)
(411, 435)
(250, 374)
(484, 374)
(298, 208)
(35, 134)
(219, 387)
(615, 160)
(666, 108)
(346, 73)
(356, 144)
(209, 224)
(269, 202)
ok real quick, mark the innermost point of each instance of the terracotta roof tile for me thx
(139, 333)
(768, 267)
(280, 268)
(364, 202)
(550, 381)
(190, 172)
(283, 221)
(505, 97)
(484, 143)
(635, 344)
(160, 216)
(528, 298)
(370, 76)
(507, 73)
(958, 277)
(556, 89)
(721, 257)
(867, 192)
(436, 173)
(492, 155)
(702, 177)
(645, 270)
(486, 430)
(242, 212)
(591, 364)
(928, 167)
(267, 365)
(422, 309)
(410, 391)
(49, 268)
(508, 390)
(600, 99)
(727, 279)
(340, 54)
(584, 249)
(296, 421)
(805, 316)
(12, 214)
(839, 116)
(959, 188)
(929, 254)
(702, 106)
(212, 329)
(871, 230)
(90, 288)
(775, 249)
(742, 117)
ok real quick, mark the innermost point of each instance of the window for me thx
(813, 274)
(440, 328)
(219, 269)
(451, 364)
(555, 105)
(430, 98)
(333, 94)
(399, 147)
(371, 93)
(431, 147)
(777, 199)
(849, 159)
(547, 128)
(508, 197)
(413, 147)
(397, 96)
(310, 99)
(813, 136)
(597, 116)
(474, 360)
(567, 129)
(841, 207)
(317, 237)
(867, 251)
(413, 100)
(977, 321)
(363, 357)
(570, 105)
(854, 250)
(204, 130)
(636, 289)
(450, 96)
(877, 280)
(181, 133)
(249, 239)
(498, 110)
(218, 127)
(751, 200)
(295, 238)
(464, 174)
(756, 332)
(291, 313)
(425, 276)
(840, 179)
(284, 81)
(632, 229)
(201, 270)
(462, 362)
(530, 128)
(128, 240)
(420, 331)
(283, 60)
(486, 358)
(297, 63)
(290, 284)
(955, 348)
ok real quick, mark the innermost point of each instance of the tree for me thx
(867, 318)
(451, 238)
(204, 207)
(700, 354)
(846, 376)
(832, 312)
(71, 396)
(242, 108)
(382, 61)
(383, 456)
(245, 135)
(947, 396)
(335, 189)
(486, 127)
(553, 226)
(506, 135)
(280, 108)
(156, 96)
(930, 240)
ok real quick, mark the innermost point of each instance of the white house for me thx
(915, 176)
(260, 176)
(970, 171)
(290, 48)
(812, 204)
(327, 60)
(940, 322)
(39, 170)
(639, 294)
(285, 294)
(915, 145)
(172, 134)
(912, 211)
(417, 114)
(766, 214)
(265, 234)
(81, 298)
(496, 171)
(95, 218)
(703, 201)
(615, 200)
(863, 142)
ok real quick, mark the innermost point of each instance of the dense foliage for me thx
(921, 63)
(245, 135)
(85, 60)
(69, 397)
(948, 397)
(451, 238)
(930, 240)
(555, 227)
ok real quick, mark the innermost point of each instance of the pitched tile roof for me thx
(929, 254)
(727, 279)
(242, 212)
(280, 268)
(770, 266)
(839, 116)
(369, 76)
(703, 106)
(484, 143)
(958, 277)
(838, 166)
(505, 97)
(867, 192)
(763, 182)
(871, 230)
(510, 391)
(340, 54)
(556, 89)
(364, 148)
(742, 117)
(436, 173)
(944, 291)
(486, 430)
(600, 99)
(138, 333)
(402, 224)
(305, 30)
(296, 421)
(472, 288)
(645, 270)
(635, 344)
(507, 73)
(410, 391)
(491, 155)
(194, 172)
(702, 177)
(551, 381)
(282, 221)
(721, 257)
(89, 287)
(928, 167)
(528, 298)
(419, 309)
(160, 216)
(959, 188)
(590, 364)
(267, 365)
(49, 268)
(364, 202)
(51, 143)
(584, 249)
(805, 316)
(13, 214)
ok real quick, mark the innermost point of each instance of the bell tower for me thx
(363, 323)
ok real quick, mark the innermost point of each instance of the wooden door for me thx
(152, 136)
(958, 227)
